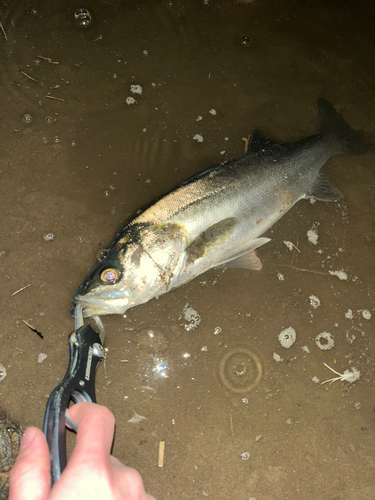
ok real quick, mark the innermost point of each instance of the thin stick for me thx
(300, 269)
(48, 59)
(55, 98)
(21, 289)
(33, 329)
(231, 423)
(332, 370)
(3, 30)
(246, 141)
(2, 474)
(161, 453)
(29, 77)
(298, 250)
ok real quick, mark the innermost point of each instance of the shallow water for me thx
(77, 161)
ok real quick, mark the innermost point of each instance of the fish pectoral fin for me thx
(247, 259)
(323, 190)
(209, 240)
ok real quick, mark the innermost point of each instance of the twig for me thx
(29, 77)
(21, 289)
(48, 59)
(161, 453)
(55, 98)
(3, 30)
(33, 329)
(246, 141)
(2, 474)
(300, 269)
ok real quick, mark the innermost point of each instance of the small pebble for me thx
(41, 357)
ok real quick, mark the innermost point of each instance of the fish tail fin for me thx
(348, 140)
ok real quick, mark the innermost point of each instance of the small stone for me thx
(41, 357)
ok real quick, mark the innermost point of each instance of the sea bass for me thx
(216, 218)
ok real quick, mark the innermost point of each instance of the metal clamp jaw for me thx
(85, 353)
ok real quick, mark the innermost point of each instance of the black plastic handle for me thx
(85, 353)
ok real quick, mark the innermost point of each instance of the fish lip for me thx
(98, 307)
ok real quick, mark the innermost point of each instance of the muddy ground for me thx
(241, 416)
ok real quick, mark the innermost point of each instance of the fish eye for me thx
(110, 275)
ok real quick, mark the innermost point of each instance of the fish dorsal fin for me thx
(323, 190)
(259, 142)
(246, 259)
(213, 236)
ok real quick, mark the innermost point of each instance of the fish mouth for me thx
(99, 306)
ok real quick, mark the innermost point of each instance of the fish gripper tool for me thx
(85, 352)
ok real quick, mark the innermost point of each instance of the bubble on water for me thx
(245, 455)
(366, 314)
(217, 330)
(192, 316)
(349, 314)
(212, 112)
(49, 237)
(148, 181)
(27, 118)
(130, 100)
(56, 139)
(287, 337)
(328, 341)
(114, 76)
(314, 301)
(198, 137)
(48, 119)
(82, 18)
(245, 41)
(136, 89)
(74, 144)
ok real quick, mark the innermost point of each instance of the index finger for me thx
(96, 426)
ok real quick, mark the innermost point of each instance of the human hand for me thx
(91, 471)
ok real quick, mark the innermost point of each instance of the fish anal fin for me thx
(211, 238)
(246, 259)
(323, 190)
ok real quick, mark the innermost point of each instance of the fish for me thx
(216, 218)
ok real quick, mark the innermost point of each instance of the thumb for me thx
(30, 477)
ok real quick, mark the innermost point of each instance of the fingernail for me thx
(28, 438)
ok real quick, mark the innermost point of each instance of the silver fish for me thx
(216, 218)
